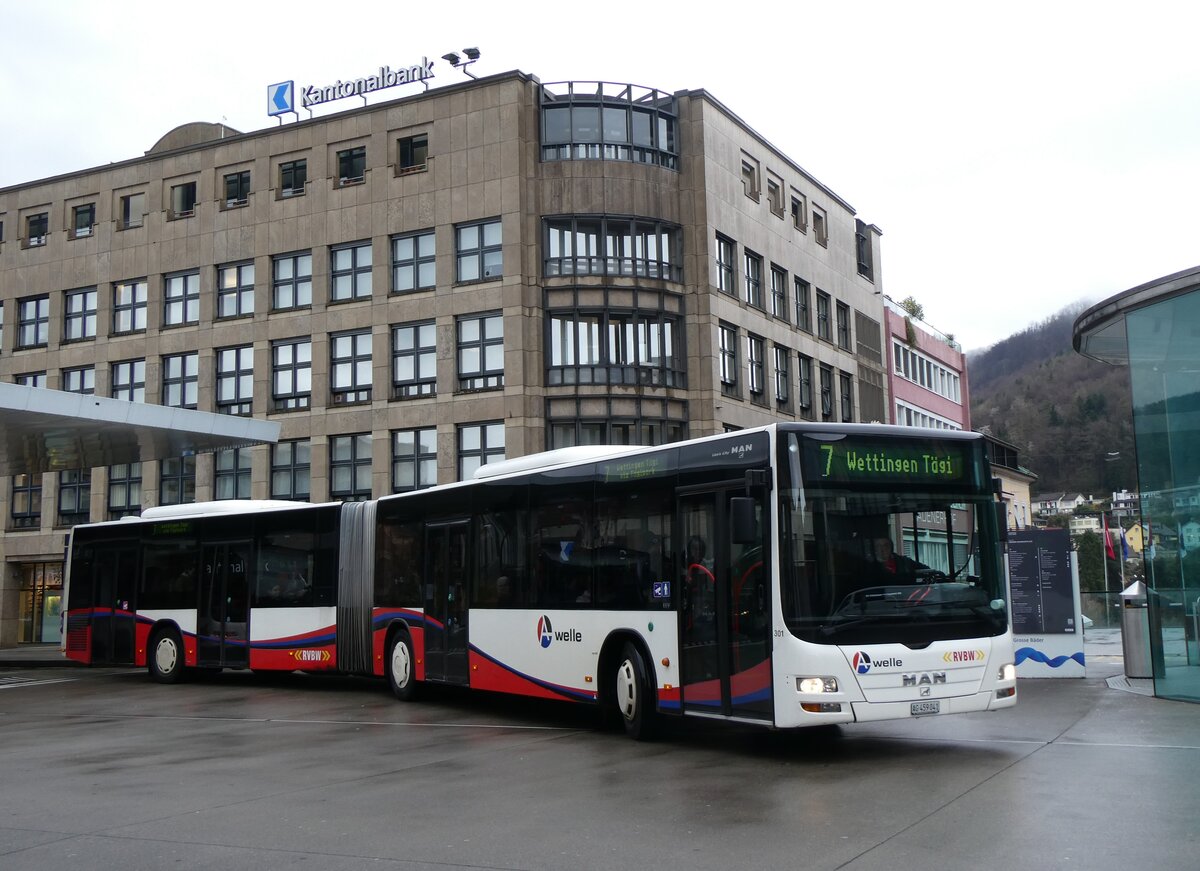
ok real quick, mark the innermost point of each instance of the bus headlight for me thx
(817, 684)
(1008, 671)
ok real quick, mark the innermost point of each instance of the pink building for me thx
(927, 373)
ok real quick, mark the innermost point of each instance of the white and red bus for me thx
(791, 575)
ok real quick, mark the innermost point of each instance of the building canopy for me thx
(51, 430)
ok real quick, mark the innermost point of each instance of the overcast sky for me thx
(1018, 157)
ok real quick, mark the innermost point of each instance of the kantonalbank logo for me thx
(546, 634)
(862, 662)
(964, 656)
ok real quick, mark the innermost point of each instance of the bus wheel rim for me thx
(627, 690)
(165, 655)
(401, 664)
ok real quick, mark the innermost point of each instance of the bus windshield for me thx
(889, 541)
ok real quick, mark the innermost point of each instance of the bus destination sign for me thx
(863, 461)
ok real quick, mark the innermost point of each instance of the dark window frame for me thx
(125, 378)
(423, 262)
(421, 351)
(181, 473)
(297, 284)
(33, 324)
(357, 272)
(482, 376)
(293, 399)
(79, 314)
(415, 457)
(235, 300)
(465, 457)
(240, 401)
(351, 165)
(475, 255)
(237, 189)
(135, 308)
(412, 153)
(181, 298)
(293, 469)
(354, 390)
(239, 472)
(293, 178)
(356, 442)
(175, 376)
(124, 479)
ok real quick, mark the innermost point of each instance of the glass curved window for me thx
(612, 246)
(615, 347)
(609, 121)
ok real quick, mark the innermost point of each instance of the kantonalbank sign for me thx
(281, 96)
(386, 77)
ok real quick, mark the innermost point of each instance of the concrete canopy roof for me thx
(50, 430)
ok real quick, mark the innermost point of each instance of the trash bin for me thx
(1135, 631)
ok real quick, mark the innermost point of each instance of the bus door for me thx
(223, 616)
(115, 580)
(725, 612)
(445, 601)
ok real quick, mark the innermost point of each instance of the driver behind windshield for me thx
(891, 567)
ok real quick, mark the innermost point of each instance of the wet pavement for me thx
(104, 769)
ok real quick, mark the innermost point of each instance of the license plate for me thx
(919, 708)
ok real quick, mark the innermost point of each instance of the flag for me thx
(1124, 545)
(1150, 539)
(1108, 548)
(1182, 549)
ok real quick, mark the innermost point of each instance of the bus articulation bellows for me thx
(792, 575)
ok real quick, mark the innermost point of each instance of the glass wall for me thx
(1164, 360)
(41, 603)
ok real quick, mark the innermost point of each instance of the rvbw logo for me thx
(546, 633)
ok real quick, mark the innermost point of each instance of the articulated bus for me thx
(791, 575)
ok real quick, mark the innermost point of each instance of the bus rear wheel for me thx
(165, 656)
(632, 696)
(401, 667)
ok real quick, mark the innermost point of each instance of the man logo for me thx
(861, 662)
(545, 633)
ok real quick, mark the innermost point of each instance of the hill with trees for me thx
(1068, 415)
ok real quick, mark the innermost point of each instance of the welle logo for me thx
(547, 636)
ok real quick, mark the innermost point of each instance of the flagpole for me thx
(1104, 551)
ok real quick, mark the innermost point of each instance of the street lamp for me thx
(457, 62)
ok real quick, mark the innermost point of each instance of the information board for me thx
(1043, 585)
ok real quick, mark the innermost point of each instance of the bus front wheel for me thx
(402, 667)
(165, 656)
(632, 695)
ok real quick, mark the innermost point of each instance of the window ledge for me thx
(411, 170)
(474, 281)
(348, 182)
(231, 205)
(181, 216)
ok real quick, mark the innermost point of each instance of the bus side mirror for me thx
(743, 519)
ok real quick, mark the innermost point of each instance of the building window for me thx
(37, 227)
(637, 430)
(33, 322)
(592, 121)
(615, 347)
(79, 318)
(291, 374)
(74, 496)
(235, 290)
(750, 182)
(779, 300)
(180, 380)
(235, 380)
(612, 246)
(413, 262)
(133, 211)
(292, 281)
(727, 342)
(843, 326)
(231, 474)
(480, 352)
(350, 367)
(124, 490)
(414, 360)
(350, 467)
(414, 459)
(183, 200)
(350, 272)
(292, 176)
(862, 248)
(80, 380)
(27, 501)
(823, 316)
(181, 299)
(129, 307)
(803, 312)
(83, 219)
(820, 225)
(783, 376)
(129, 380)
(804, 394)
(754, 359)
(726, 252)
(177, 481)
(479, 251)
(775, 197)
(352, 165)
(237, 189)
(753, 275)
(412, 153)
(478, 445)
(31, 379)
(846, 390)
(291, 467)
(799, 212)
(826, 392)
